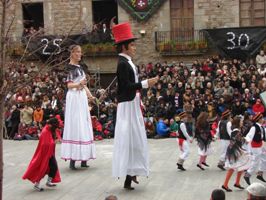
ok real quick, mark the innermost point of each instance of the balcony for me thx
(100, 49)
(185, 42)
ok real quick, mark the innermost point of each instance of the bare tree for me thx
(9, 83)
(2, 87)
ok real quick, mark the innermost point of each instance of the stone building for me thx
(172, 17)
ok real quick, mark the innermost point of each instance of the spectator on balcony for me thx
(105, 33)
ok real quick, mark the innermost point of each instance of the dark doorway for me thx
(33, 15)
(104, 11)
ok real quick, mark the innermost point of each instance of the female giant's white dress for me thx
(77, 143)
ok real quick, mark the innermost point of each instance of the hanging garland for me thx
(141, 10)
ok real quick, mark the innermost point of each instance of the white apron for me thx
(130, 156)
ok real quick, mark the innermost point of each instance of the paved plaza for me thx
(164, 183)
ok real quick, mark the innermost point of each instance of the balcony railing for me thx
(183, 42)
(16, 48)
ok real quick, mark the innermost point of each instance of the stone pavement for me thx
(95, 183)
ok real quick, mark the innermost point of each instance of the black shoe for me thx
(239, 186)
(127, 184)
(84, 164)
(200, 167)
(221, 167)
(72, 165)
(246, 178)
(226, 189)
(49, 184)
(260, 177)
(129, 187)
(179, 166)
(204, 163)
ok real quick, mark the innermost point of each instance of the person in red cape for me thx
(43, 161)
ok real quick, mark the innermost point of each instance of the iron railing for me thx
(182, 41)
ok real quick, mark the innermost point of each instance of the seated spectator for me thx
(174, 126)
(150, 130)
(97, 128)
(162, 129)
(108, 129)
(256, 191)
(34, 131)
(22, 131)
(218, 194)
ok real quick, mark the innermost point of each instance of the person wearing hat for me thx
(130, 157)
(224, 132)
(182, 139)
(256, 191)
(255, 137)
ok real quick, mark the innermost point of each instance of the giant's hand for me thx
(153, 81)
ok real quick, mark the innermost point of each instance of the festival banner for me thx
(141, 10)
(240, 42)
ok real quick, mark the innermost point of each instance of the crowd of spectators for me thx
(211, 85)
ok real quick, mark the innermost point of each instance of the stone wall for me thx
(216, 13)
(146, 52)
(160, 21)
(62, 15)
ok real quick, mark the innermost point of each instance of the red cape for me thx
(39, 164)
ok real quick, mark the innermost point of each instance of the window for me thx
(104, 11)
(252, 12)
(33, 15)
(182, 14)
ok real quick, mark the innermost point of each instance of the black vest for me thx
(223, 131)
(127, 86)
(259, 133)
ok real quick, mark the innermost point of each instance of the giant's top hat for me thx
(122, 33)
